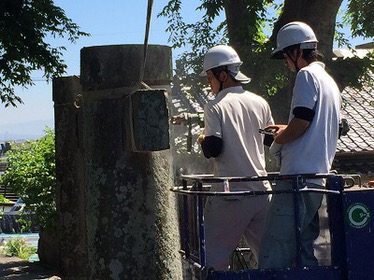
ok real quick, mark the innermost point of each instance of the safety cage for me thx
(346, 228)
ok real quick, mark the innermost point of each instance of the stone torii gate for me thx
(117, 217)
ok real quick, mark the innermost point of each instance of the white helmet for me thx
(294, 33)
(223, 55)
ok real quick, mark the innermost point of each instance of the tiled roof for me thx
(358, 109)
(351, 53)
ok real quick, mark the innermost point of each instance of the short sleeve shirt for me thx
(314, 151)
(236, 115)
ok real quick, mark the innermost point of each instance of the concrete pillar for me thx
(131, 221)
(70, 176)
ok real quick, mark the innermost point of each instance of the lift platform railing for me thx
(198, 186)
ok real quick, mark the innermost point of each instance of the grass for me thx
(17, 247)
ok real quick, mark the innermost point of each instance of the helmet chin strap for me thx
(296, 67)
(217, 76)
(294, 61)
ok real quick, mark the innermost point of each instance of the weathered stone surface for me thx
(116, 66)
(70, 176)
(48, 249)
(150, 121)
(131, 223)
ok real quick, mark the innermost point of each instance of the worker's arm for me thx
(296, 127)
(211, 138)
(292, 131)
(211, 145)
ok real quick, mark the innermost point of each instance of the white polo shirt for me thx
(314, 151)
(236, 115)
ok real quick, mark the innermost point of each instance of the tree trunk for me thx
(319, 14)
(238, 25)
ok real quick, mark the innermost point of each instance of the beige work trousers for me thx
(227, 219)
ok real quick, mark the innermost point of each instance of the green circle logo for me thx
(358, 215)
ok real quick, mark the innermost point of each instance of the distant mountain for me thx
(24, 131)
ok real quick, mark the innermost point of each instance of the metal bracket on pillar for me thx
(149, 120)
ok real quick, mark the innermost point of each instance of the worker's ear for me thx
(223, 76)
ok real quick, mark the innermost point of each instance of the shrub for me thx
(31, 172)
(3, 199)
(17, 247)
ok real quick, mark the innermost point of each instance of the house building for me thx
(355, 151)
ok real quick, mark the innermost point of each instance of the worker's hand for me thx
(200, 138)
(277, 128)
(179, 119)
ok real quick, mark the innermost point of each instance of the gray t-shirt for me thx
(236, 115)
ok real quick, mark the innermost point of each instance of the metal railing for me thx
(196, 188)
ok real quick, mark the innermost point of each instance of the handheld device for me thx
(266, 131)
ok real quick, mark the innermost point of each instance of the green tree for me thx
(24, 27)
(360, 16)
(31, 171)
(245, 25)
(3, 200)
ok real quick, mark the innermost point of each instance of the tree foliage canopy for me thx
(24, 27)
(247, 25)
(360, 15)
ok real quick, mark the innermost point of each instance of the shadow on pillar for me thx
(70, 176)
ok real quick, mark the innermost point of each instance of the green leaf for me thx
(24, 27)
(31, 172)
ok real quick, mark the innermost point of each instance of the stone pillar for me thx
(131, 220)
(70, 176)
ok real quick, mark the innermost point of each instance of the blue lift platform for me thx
(350, 227)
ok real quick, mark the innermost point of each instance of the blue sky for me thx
(108, 22)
